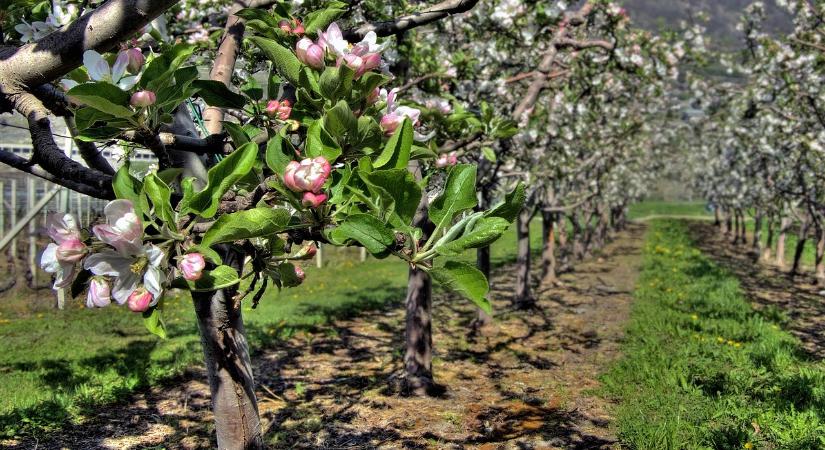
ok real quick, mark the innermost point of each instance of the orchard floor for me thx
(526, 382)
(796, 301)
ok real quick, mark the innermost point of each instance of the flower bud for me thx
(389, 122)
(308, 175)
(355, 63)
(284, 25)
(446, 159)
(272, 108)
(297, 27)
(299, 274)
(99, 294)
(136, 60)
(312, 200)
(192, 265)
(371, 61)
(139, 300)
(71, 250)
(310, 53)
(143, 99)
(306, 252)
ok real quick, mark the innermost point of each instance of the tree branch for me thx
(420, 18)
(27, 166)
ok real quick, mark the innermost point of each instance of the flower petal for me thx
(119, 68)
(96, 66)
(108, 263)
(124, 286)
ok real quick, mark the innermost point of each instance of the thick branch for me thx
(403, 23)
(56, 54)
(224, 64)
(25, 165)
(212, 144)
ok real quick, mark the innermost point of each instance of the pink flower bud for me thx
(354, 62)
(371, 61)
(284, 25)
(192, 265)
(389, 122)
(310, 53)
(71, 251)
(313, 200)
(445, 160)
(306, 252)
(308, 175)
(143, 99)
(299, 274)
(284, 110)
(99, 293)
(139, 300)
(297, 27)
(136, 60)
(373, 97)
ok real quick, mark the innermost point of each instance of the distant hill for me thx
(724, 15)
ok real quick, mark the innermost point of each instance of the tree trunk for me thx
(483, 264)
(800, 247)
(418, 334)
(735, 227)
(564, 251)
(728, 225)
(766, 249)
(742, 230)
(756, 244)
(228, 366)
(548, 254)
(578, 246)
(820, 251)
(716, 220)
(784, 225)
(523, 298)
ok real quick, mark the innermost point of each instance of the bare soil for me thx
(526, 382)
(796, 298)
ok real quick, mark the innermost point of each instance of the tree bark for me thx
(578, 247)
(756, 244)
(564, 251)
(820, 251)
(418, 357)
(800, 247)
(766, 249)
(784, 225)
(229, 369)
(523, 298)
(548, 254)
(735, 227)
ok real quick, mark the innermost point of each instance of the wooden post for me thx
(32, 256)
(14, 218)
(319, 257)
(363, 254)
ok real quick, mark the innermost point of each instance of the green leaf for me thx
(258, 14)
(208, 254)
(465, 280)
(488, 154)
(485, 231)
(459, 194)
(104, 97)
(512, 204)
(368, 134)
(256, 222)
(368, 231)
(160, 69)
(160, 194)
(318, 20)
(287, 274)
(398, 191)
(340, 121)
(336, 82)
(85, 117)
(279, 153)
(321, 143)
(211, 280)
(153, 320)
(216, 94)
(130, 188)
(221, 177)
(236, 133)
(397, 151)
(284, 59)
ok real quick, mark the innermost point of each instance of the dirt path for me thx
(524, 384)
(767, 287)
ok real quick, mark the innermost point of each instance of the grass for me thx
(61, 365)
(702, 369)
(650, 208)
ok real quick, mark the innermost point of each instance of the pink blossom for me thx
(310, 53)
(142, 99)
(308, 251)
(284, 25)
(71, 251)
(99, 294)
(313, 200)
(299, 274)
(136, 59)
(297, 27)
(139, 300)
(308, 175)
(395, 114)
(61, 256)
(446, 159)
(123, 230)
(281, 110)
(192, 265)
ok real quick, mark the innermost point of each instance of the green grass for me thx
(702, 369)
(660, 208)
(61, 365)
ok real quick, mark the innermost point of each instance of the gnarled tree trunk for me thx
(548, 253)
(766, 249)
(229, 369)
(800, 246)
(784, 226)
(418, 334)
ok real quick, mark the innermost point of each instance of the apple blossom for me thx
(191, 266)
(395, 115)
(140, 300)
(313, 200)
(135, 58)
(99, 294)
(308, 175)
(142, 99)
(281, 110)
(99, 70)
(71, 251)
(144, 267)
(124, 229)
(299, 273)
(310, 53)
(61, 257)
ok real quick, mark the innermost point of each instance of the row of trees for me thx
(759, 147)
(311, 127)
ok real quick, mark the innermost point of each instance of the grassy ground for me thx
(702, 369)
(659, 208)
(61, 365)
